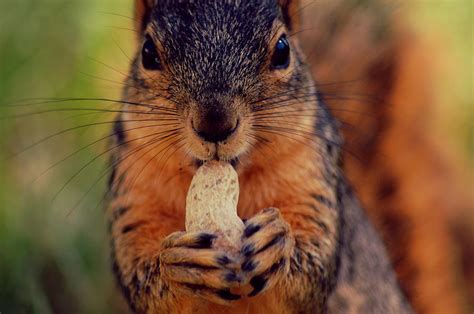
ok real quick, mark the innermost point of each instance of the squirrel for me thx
(228, 80)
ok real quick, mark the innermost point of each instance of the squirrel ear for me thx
(142, 14)
(291, 14)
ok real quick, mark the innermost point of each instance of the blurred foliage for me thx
(449, 26)
(53, 241)
(54, 253)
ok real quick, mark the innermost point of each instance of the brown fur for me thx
(281, 187)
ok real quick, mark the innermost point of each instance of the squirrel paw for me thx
(266, 250)
(189, 262)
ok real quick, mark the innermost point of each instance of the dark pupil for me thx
(281, 56)
(150, 58)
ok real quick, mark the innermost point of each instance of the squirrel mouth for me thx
(199, 162)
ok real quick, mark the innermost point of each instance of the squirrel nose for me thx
(215, 126)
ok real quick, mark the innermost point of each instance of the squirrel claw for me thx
(266, 249)
(189, 262)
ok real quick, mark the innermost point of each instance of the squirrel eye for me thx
(150, 57)
(281, 55)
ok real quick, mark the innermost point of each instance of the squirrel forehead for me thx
(196, 21)
(215, 41)
(205, 9)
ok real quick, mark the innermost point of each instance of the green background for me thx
(54, 247)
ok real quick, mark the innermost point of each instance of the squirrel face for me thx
(231, 70)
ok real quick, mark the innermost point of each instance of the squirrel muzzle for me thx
(215, 124)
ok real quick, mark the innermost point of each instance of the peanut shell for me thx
(211, 204)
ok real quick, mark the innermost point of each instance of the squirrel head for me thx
(230, 73)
